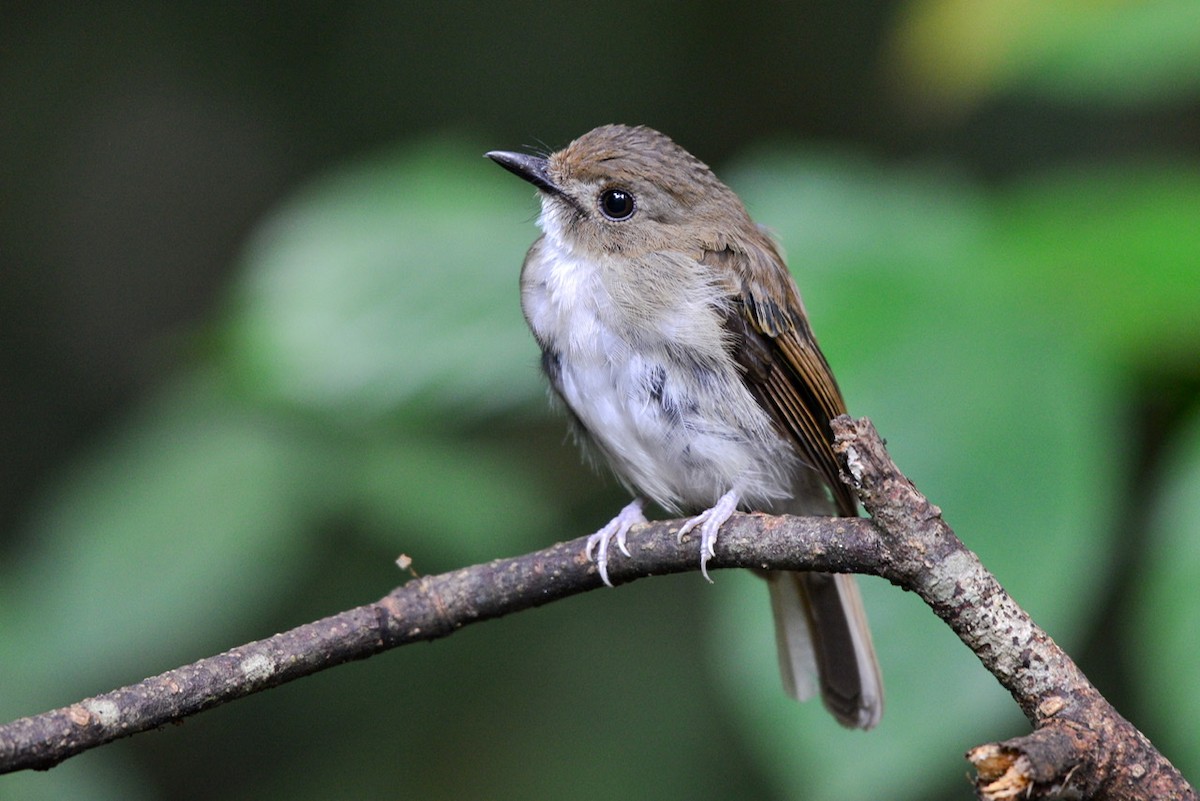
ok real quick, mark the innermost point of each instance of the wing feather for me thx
(783, 366)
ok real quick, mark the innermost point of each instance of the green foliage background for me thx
(1008, 293)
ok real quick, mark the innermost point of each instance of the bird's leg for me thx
(710, 522)
(616, 529)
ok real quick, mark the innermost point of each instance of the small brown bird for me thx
(672, 330)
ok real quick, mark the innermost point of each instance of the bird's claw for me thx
(710, 522)
(617, 529)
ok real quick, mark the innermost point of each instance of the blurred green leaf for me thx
(388, 291)
(1078, 51)
(1164, 615)
(1113, 253)
(457, 498)
(158, 540)
(391, 284)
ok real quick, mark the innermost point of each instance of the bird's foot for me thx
(616, 530)
(710, 522)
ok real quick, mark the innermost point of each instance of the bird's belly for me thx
(677, 431)
(672, 417)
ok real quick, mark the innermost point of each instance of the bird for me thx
(673, 333)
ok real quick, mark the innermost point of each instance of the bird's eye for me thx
(617, 204)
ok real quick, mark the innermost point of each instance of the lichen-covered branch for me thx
(422, 609)
(1079, 741)
(1081, 747)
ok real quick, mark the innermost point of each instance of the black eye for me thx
(617, 204)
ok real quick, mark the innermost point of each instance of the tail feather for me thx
(793, 635)
(824, 644)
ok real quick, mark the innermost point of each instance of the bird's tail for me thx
(825, 644)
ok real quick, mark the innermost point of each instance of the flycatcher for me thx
(672, 330)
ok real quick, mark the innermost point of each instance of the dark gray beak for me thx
(531, 168)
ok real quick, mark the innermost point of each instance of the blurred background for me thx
(260, 335)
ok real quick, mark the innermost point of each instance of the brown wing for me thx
(783, 365)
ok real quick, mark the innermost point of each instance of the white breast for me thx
(677, 427)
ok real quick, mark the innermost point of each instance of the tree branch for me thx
(1081, 746)
(1080, 743)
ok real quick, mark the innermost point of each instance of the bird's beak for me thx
(531, 168)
